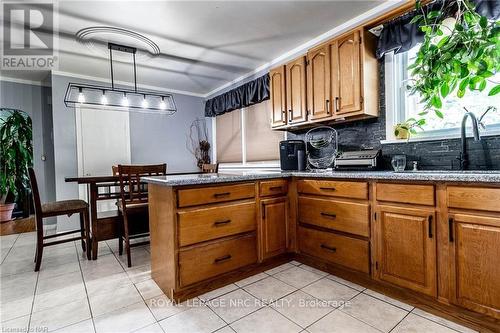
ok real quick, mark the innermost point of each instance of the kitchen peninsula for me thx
(430, 238)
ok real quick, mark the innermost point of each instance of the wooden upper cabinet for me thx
(278, 96)
(296, 90)
(475, 270)
(336, 81)
(346, 73)
(274, 214)
(318, 83)
(406, 248)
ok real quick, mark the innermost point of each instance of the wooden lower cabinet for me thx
(406, 243)
(274, 213)
(475, 262)
(206, 261)
(341, 250)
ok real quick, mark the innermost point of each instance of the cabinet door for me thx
(296, 90)
(274, 214)
(278, 97)
(406, 248)
(318, 83)
(475, 264)
(346, 73)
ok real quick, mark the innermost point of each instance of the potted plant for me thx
(405, 129)
(16, 155)
(197, 142)
(459, 53)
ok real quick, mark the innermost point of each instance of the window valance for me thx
(250, 93)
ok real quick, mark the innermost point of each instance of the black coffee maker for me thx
(293, 155)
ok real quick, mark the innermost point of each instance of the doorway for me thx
(103, 140)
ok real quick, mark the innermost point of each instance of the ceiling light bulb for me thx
(145, 103)
(81, 98)
(163, 106)
(104, 99)
(124, 100)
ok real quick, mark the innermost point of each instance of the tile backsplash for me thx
(431, 155)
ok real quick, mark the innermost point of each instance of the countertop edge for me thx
(186, 180)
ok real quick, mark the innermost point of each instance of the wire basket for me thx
(321, 146)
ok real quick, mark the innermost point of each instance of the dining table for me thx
(104, 225)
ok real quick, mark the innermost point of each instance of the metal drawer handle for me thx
(222, 259)
(219, 223)
(328, 188)
(331, 215)
(220, 195)
(329, 248)
(430, 226)
(276, 188)
(450, 230)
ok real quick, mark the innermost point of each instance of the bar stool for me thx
(58, 208)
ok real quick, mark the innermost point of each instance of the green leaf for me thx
(495, 90)
(482, 85)
(416, 18)
(436, 101)
(483, 22)
(433, 14)
(463, 84)
(439, 114)
(445, 89)
(461, 93)
(443, 41)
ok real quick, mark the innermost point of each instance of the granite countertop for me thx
(443, 176)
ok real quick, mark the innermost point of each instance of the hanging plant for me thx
(460, 53)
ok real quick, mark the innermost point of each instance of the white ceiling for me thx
(204, 44)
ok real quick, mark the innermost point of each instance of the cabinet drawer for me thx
(406, 193)
(273, 187)
(333, 188)
(479, 198)
(342, 250)
(205, 224)
(207, 195)
(204, 262)
(339, 215)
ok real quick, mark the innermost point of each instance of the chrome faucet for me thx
(464, 157)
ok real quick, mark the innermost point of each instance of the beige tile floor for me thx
(71, 294)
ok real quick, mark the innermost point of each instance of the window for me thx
(401, 105)
(244, 138)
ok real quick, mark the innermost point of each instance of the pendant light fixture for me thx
(122, 99)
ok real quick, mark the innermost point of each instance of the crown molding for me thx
(127, 84)
(23, 81)
(301, 49)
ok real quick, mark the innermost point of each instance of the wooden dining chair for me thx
(133, 204)
(210, 168)
(58, 208)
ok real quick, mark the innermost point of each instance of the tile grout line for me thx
(408, 312)
(10, 249)
(333, 308)
(34, 292)
(84, 282)
(388, 301)
(399, 322)
(436, 322)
